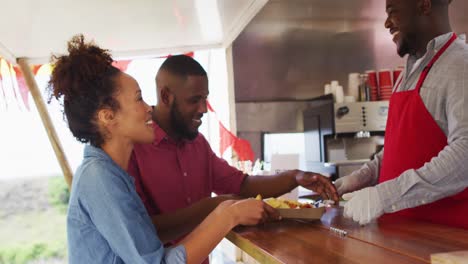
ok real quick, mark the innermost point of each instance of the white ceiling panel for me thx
(36, 28)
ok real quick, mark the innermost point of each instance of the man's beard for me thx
(404, 47)
(178, 124)
(408, 43)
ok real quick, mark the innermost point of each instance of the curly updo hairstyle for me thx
(84, 81)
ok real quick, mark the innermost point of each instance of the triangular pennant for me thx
(190, 54)
(243, 149)
(1, 84)
(227, 139)
(1, 87)
(13, 78)
(121, 65)
(23, 87)
(36, 68)
(210, 108)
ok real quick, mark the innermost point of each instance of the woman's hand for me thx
(249, 211)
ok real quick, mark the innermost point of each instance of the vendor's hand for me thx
(317, 183)
(352, 182)
(363, 206)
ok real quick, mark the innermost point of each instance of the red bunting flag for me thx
(241, 146)
(121, 65)
(243, 149)
(23, 87)
(1, 87)
(226, 137)
(190, 54)
(35, 68)
(11, 71)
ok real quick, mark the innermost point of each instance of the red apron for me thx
(412, 138)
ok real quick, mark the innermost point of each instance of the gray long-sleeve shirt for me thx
(444, 94)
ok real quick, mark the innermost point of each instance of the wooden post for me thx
(46, 121)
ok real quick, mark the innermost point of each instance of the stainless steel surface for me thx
(275, 117)
(345, 148)
(292, 48)
(361, 116)
(347, 153)
(270, 116)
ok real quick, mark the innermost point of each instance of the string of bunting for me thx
(240, 146)
(14, 73)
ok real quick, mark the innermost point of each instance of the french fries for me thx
(284, 203)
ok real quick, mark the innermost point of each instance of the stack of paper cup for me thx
(334, 86)
(327, 89)
(339, 94)
(353, 85)
(373, 85)
(385, 84)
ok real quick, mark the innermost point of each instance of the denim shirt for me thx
(107, 222)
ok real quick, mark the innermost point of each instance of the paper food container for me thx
(304, 213)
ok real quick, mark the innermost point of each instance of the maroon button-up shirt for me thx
(171, 175)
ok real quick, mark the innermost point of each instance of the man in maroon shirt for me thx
(176, 174)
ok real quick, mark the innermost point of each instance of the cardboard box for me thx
(302, 213)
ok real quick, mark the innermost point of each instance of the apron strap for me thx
(426, 70)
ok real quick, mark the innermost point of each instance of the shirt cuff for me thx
(388, 193)
(176, 254)
(394, 193)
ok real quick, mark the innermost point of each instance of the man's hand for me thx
(319, 184)
(363, 206)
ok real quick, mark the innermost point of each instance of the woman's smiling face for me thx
(133, 119)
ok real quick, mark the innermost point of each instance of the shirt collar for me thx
(438, 42)
(159, 134)
(92, 151)
(435, 44)
(432, 47)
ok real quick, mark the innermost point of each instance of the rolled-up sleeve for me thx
(370, 171)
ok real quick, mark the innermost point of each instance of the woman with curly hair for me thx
(107, 222)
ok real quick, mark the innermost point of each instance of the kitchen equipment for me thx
(360, 116)
(343, 136)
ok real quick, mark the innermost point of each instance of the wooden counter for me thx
(389, 240)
